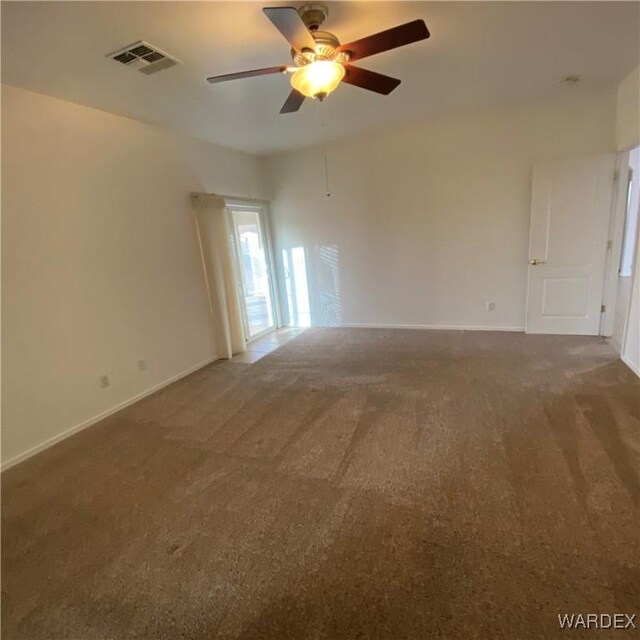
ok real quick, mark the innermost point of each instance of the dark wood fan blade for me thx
(385, 40)
(293, 102)
(288, 22)
(369, 80)
(247, 74)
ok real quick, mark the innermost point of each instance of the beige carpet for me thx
(353, 484)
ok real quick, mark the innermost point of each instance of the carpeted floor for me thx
(354, 484)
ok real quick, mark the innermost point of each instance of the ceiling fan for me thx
(320, 62)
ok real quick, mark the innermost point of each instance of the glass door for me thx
(254, 275)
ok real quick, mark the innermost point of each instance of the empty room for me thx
(320, 321)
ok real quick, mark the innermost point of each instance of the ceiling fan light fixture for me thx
(321, 61)
(318, 79)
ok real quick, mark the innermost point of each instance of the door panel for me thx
(567, 297)
(570, 210)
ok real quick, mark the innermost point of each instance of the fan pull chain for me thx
(326, 173)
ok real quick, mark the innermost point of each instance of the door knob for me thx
(535, 261)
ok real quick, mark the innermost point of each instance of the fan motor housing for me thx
(313, 16)
(326, 49)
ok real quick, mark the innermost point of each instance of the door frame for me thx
(614, 241)
(262, 208)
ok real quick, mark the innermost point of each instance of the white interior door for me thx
(570, 211)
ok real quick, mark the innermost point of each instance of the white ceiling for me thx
(479, 54)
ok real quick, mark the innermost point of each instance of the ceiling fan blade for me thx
(288, 22)
(247, 74)
(369, 80)
(293, 102)
(385, 40)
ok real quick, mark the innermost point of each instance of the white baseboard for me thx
(632, 365)
(104, 414)
(439, 327)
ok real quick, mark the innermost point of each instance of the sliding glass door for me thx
(253, 269)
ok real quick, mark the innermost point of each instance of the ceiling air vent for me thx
(143, 57)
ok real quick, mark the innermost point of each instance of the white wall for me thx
(628, 111)
(428, 223)
(100, 265)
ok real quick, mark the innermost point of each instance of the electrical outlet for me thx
(491, 306)
(142, 365)
(104, 381)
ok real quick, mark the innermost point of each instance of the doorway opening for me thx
(254, 280)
